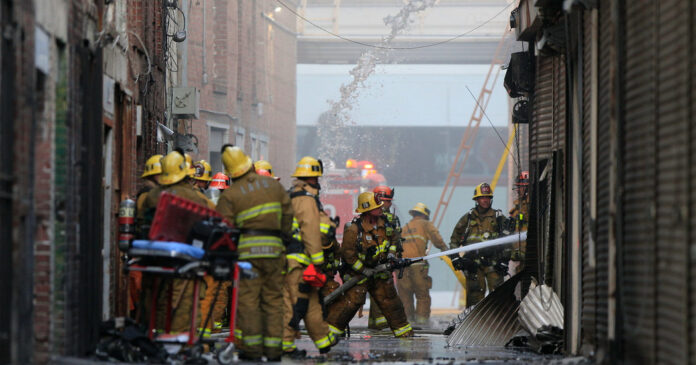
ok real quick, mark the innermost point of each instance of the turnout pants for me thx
(383, 293)
(294, 292)
(376, 320)
(476, 284)
(260, 309)
(416, 282)
(221, 302)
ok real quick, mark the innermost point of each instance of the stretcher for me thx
(189, 241)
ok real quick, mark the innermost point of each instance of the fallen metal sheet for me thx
(493, 321)
(540, 307)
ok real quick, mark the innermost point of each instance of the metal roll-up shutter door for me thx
(559, 102)
(692, 197)
(672, 180)
(589, 289)
(542, 123)
(637, 279)
(605, 105)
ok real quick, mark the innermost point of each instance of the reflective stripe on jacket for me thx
(258, 202)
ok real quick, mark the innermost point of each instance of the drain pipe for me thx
(204, 76)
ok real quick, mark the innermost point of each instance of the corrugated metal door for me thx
(559, 102)
(692, 194)
(605, 105)
(540, 130)
(672, 188)
(589, 289)
(637, 287)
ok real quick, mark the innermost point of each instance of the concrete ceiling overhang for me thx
(483, 21)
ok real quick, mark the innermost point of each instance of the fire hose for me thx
(400, 264)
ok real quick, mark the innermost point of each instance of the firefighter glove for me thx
(501, 267)
(465, 264)
(368, 272)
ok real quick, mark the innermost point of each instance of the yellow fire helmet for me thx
(367, 202)
(236, 162)
(173, 168)
(483, 189)
(264, 165)
(203, 171)
(308, 167)
(189, 165)
(420, 208)
(153, 166)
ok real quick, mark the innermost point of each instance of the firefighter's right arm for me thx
(458, 232)
(349, 249)
(434, 236)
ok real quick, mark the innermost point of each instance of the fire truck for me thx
(343, 185)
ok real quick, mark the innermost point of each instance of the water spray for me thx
(333, 138)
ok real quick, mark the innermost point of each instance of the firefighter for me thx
(261, 209)
(416, 281)
(365, 246)
(153, 168)
(385, 195)
(482, 268)
(203, 181)
(332, 255)
(174, 179)
(302, 297)
(219, 183)
(203, 175)
(266, 167)
(519, 219)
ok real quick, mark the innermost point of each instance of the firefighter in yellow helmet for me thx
(201, 178)
(365, 246)
(153, 168)
(266, 167)
(385, 195)
(174, 179)
(203, 174)
(416, 281)
(261, 209)
(300, 296)
(483, 268)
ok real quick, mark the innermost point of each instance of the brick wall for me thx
(250, 67)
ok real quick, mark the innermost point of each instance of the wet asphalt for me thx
(428, 346)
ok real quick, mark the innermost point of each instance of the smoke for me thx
(333, 137)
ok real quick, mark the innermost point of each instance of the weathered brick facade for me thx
(55, 139)
(246, 74)
(82, 90)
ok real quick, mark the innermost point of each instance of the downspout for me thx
(204, 76)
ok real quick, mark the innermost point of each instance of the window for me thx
(216, 138)
(239, 137)
(259, 147)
